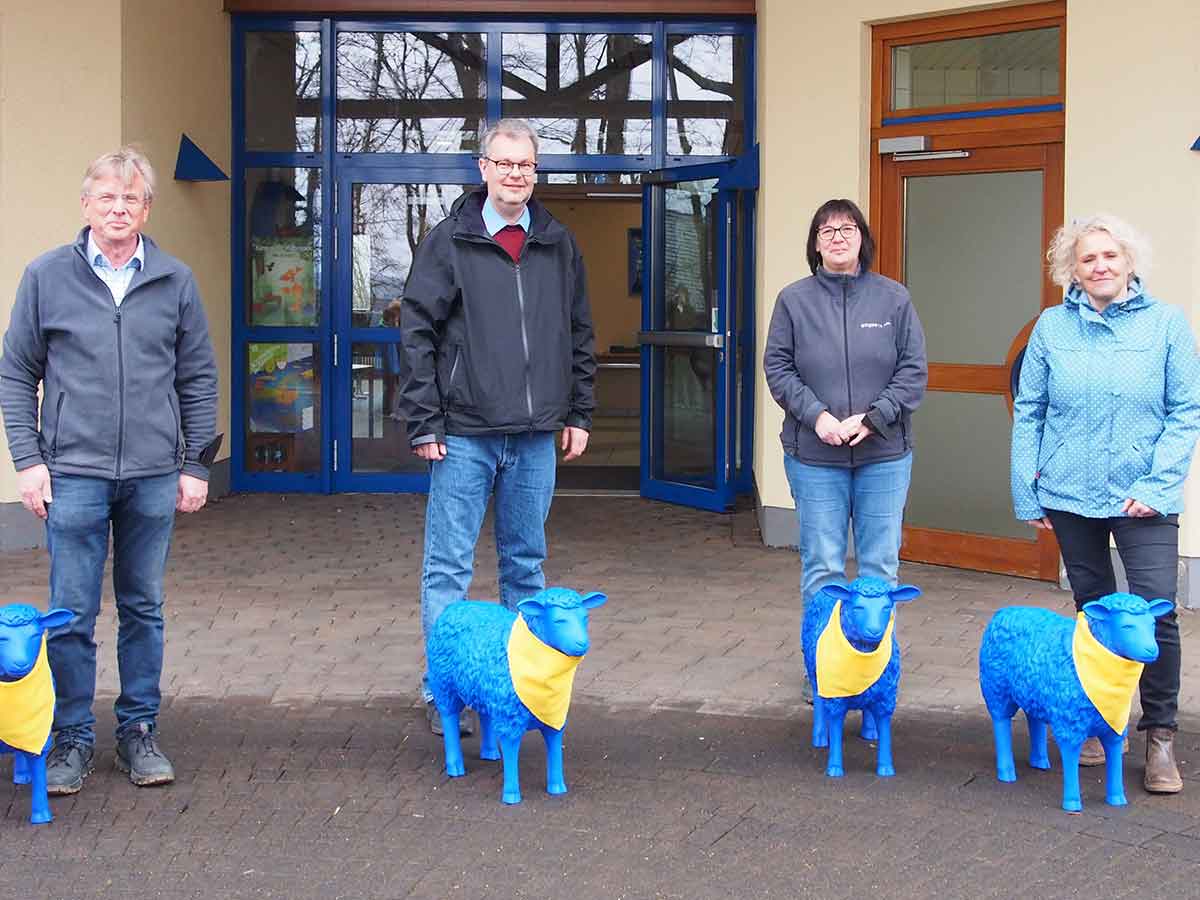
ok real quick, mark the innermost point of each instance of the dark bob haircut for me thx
(828, 210)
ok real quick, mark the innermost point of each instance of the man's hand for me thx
(431, 451)
(854, 429)
(1042, 524)
(1137, 509)
(33, 484)
(829, 429)
(191, 494)
(574, 442)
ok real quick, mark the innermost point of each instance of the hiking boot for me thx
(1162, 775)
(1092, 751)
(138, 754)
(466, 720)
(69, 762)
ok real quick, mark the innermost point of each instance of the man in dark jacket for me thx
(112, 329)
(499, 352)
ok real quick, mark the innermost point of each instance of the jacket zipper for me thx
(524, 341)
(57, 424)
(120, 395)
(846, 344)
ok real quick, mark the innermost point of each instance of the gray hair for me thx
(125, 164)
(510, 128)
(1061, 255)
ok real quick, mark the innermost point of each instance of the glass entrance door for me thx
(692, 333)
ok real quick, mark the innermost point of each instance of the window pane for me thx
(984, 69)
(706, 94)
(283, 91)
(689, 255)
(582, 93)
(283, 235)
(389, 221)
(410, 92)
(379, 440)
(283, 408)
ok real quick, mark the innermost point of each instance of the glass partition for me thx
(410, 92)
(706, 91)
(282, 75)
(283, 246)
(379, 439)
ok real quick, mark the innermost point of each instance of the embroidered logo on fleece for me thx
(874, 324)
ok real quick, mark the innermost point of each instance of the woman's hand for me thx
(1042, 524)
(854, 430)
(829, 429)
(1137, 509)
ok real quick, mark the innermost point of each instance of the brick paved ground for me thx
(305, 768)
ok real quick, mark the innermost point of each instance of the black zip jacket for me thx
(846, 344)
(492, 346)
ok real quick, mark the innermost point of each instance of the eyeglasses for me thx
(847, 231)
(505, 166)
(105, 202)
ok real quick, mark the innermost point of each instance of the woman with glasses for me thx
(1104, 426)
(845, 358)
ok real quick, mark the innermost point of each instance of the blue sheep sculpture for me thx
(27, 698)
(1077, 675)
(853, 662)
(516, 670)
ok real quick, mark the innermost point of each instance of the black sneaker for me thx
(69, 762)
(138, 754)
(466, 720)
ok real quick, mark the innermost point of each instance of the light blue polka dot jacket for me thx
(1108, 408)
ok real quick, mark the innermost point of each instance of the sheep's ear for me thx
(531, 608)
(594, 599)
(56, 618)
(904, 593)
(1097, 610)
(838, 591)
(1160, 607)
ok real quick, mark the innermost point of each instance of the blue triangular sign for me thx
(194, 165)
(1196, 146)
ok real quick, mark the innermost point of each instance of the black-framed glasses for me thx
(505, 166)
(847, 231)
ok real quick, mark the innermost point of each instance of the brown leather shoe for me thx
(1162, 775)
(1092, 751)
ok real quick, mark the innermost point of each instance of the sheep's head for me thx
(1124, 623)
(559, 618)
(867, 605)
(21, 627)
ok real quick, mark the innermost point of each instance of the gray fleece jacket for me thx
(127, 392)
(848, 344)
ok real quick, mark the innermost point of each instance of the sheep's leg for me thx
(452, 739)
(820, 736)
(1039, 757)
(834, 720)
(39, 803)
(1006, 769)
(870, 729)
(1114, 775)
(510, 750)
(21, 770)
(489, 746)
(883, 759)
(1070, 764)
(555, 783)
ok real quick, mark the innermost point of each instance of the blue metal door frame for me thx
(338, 171)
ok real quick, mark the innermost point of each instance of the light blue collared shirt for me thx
(493, 221)
(116, 279)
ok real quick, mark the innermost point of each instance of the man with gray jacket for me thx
(113, 330)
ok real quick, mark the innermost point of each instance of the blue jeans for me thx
(142, 515)
(828, 499)
(520, 470)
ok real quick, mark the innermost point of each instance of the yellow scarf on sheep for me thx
(27, 707)
(542, 676)
(842, 670)
(1108, 680)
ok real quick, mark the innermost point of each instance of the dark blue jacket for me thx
(127, 392)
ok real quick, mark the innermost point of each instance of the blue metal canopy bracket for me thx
(193, 164)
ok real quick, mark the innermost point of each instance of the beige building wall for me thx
(60, 99)
(1127, 141)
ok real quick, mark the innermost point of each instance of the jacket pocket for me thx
(180, 443)
(458, 393)
(1044, 462)
(58, 418)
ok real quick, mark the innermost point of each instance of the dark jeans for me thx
(1149, 550)
(141, 513)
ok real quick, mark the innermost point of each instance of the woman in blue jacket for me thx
(1104, 425)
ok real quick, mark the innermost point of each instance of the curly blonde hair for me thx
(1061, 254)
